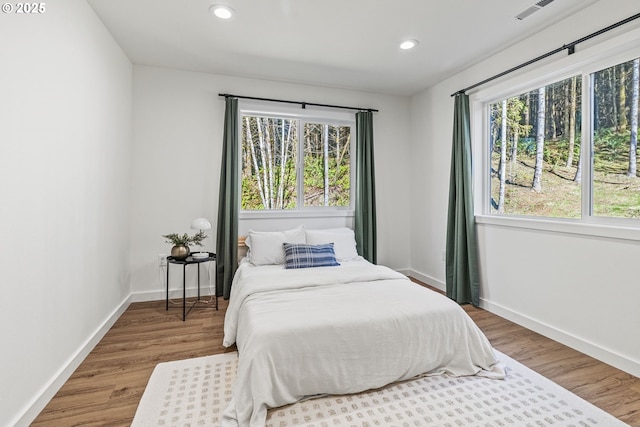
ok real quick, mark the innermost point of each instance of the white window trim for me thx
(565, 226)
(308, 114)
(611, 51)
(303, 213)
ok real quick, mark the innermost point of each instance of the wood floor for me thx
(106, 388)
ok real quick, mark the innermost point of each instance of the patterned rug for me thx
(194, 392)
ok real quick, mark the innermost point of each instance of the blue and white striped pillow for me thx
(298, 255)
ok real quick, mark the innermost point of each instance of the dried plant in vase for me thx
(181, 242)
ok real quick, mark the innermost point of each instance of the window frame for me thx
(302, 115)
(611, 52)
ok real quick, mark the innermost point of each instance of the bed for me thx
(339, 329)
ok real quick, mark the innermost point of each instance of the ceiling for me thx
(352, 44)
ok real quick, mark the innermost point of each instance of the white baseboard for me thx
(405, 271)
(158, 295)
(584, 346)
(42, 398)
(431, 281)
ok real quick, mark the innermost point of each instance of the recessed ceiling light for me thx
(408, 44)
(222, 11)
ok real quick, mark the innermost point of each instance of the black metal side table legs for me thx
(189, 260)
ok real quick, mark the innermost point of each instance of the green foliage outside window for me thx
(339, 183)
(270, 152)
(543, 134)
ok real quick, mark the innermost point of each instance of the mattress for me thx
(340, 330)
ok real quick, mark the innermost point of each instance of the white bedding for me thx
(339, 330)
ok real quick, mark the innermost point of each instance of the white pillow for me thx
(343, 239)
(265, 247)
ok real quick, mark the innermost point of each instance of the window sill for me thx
(567, 226)
(334, 213)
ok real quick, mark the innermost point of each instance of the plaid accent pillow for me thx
(298, 255)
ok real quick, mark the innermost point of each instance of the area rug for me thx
(195, 392)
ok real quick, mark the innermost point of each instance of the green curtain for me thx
(462, 274)
(227, 237)
(365, 206)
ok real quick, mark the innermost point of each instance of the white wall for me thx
(431, 131)
(178, 128)
(83, 208)
(65, 133)
(582, 290)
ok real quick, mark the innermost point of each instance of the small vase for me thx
(180, 252)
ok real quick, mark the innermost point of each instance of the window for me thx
(616, 187)
(540, 166)
(534, 138)
(294, 161)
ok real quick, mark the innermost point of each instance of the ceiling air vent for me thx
(529, 11)
(543, 3)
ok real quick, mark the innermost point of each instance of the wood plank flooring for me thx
(107, 386)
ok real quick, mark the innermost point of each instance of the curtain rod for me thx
(304, 104)
(571, 48)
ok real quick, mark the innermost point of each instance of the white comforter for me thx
(339, 330)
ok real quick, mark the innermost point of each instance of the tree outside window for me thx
(282, 172)
(616, 187)
(536, 152)
(535, 146)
